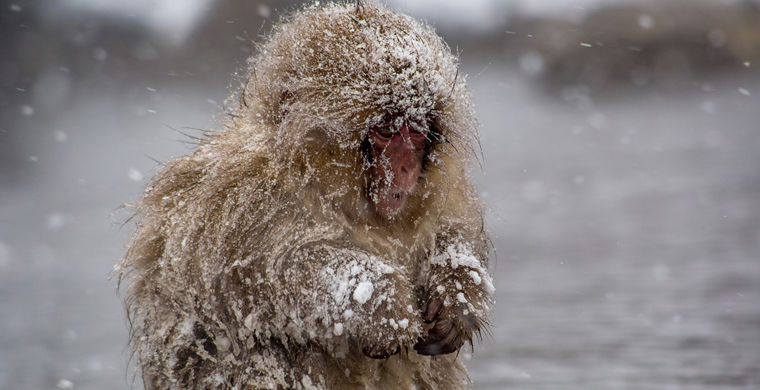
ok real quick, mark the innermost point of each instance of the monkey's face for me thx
(397, 153)
(365, 112)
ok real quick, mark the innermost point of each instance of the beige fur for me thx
(258, 261)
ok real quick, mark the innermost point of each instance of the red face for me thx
(398, 157)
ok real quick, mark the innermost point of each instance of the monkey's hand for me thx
(458, 298)
(348, 301)
(449, 328)
(387, 321)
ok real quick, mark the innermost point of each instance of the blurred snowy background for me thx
(621, 144)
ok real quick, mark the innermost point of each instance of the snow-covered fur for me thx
(258, 261)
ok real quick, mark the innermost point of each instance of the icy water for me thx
(626, 228)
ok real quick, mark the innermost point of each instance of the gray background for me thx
(621, 156)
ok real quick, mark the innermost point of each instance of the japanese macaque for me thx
(329, 237)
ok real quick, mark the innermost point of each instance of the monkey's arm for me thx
(348, 300)
(459, 295)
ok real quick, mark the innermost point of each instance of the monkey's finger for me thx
(433, 308)
(443, 338)
(451, 342)
(435, 335)
(369, 352)
(429, 349)
(432, 349)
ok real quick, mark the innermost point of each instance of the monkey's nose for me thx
(406, 176)
(406, 136)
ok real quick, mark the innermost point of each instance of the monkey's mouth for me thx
(390, 203)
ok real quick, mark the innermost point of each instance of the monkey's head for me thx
(363, 107)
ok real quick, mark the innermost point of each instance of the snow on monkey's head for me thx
(349, 92)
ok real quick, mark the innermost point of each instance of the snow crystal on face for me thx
(363, 292)
(461, 298)
(475, 277)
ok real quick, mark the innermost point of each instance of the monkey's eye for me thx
(384, 131)
(419, 131)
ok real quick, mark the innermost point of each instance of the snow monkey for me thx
(329, 236)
